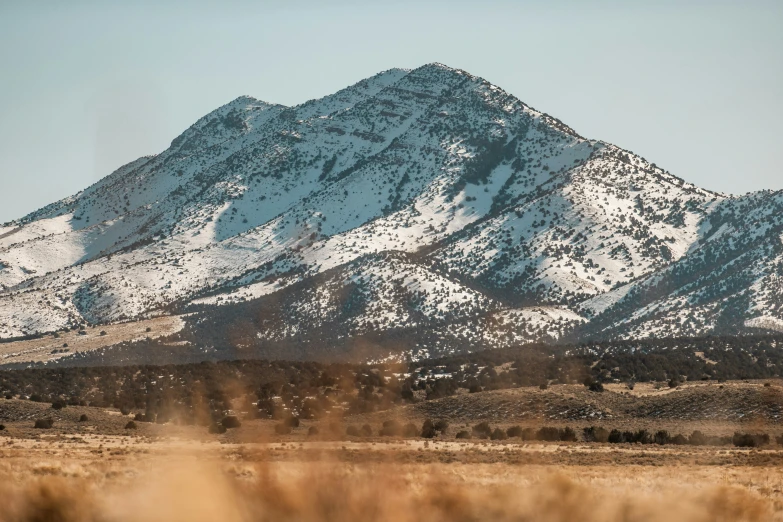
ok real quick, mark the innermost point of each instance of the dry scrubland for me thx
(96, 470)
(135, 478)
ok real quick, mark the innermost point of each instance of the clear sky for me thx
(86, 86)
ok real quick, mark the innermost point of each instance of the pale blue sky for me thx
(85, 86)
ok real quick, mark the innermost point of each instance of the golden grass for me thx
(186, 481)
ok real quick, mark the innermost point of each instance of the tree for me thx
(428, 430)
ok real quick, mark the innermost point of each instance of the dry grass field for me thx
(51, 348)
(124, 478)
(96, 470)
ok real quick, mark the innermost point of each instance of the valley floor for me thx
(135, 478)
(97, 470)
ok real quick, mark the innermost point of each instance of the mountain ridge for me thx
(500, 209)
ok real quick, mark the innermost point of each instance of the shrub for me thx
(282, 428)
(428, 430)
(498, 434)
(217, 428)
(528, 434)
(464, 434)
(675, 382)
(568, 435)
(44, 424)
(140, 417)
(642, 437)
(312, 430)
(661, 437)
(615, 437)
(291, 421)
(779, 440)
(593, 385)
(432, 429)
(697, 438)
(36, 398)
(514, 431)
(410, 430)
(748, 440)
(391, 428)
(366, 431)
(83, 418)
(543, 386)
(58, 404)
(596, 434)
(482, 430)
(2, 427)
(352, 431)
(548, 434)
(124, 410)
(231, 421)
(130, 426)
(679, 440)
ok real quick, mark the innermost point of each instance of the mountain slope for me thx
(444, 212)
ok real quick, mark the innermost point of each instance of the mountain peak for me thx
(422, 210)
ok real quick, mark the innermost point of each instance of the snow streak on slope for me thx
(453, 215)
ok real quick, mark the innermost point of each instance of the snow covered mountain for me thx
(423, 211)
